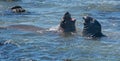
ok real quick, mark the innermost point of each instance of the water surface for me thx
(32, 46)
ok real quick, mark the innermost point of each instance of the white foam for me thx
(39, 31)
(54, 28)
(11, 42)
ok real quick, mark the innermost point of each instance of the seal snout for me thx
(87, 19)
(67, 16)
(67, 13)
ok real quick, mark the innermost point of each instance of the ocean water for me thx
(34, 46)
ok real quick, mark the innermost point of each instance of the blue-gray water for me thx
(32, 46)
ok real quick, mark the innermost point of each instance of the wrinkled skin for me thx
(67, 25)
(92, 28)
(18, 9)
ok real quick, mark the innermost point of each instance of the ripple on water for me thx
(32, 46)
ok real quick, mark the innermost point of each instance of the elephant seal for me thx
(18, 9)
(67, 24)
(92, 28)
(26, 28)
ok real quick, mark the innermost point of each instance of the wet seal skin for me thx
(25, 27)
(18, 9)
(92, 28)
(67, 25)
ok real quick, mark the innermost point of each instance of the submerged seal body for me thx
(67, 25)
(92, 28)
(25, 27)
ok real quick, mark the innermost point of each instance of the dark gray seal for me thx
(92, 28)
(67, 25)
(18, 9)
